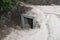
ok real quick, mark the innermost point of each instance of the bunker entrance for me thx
(29, 22)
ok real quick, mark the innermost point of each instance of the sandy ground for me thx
(32, 34)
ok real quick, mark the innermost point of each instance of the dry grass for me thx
(4, 31)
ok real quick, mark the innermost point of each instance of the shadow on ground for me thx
(4, 31)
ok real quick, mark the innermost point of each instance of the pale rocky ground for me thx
(49, 28)
(32, 34)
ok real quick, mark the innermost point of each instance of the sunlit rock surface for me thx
(47, 18)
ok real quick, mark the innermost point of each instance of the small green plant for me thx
(2, 21)
(1, 24)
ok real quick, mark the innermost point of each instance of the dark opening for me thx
(28, 21)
